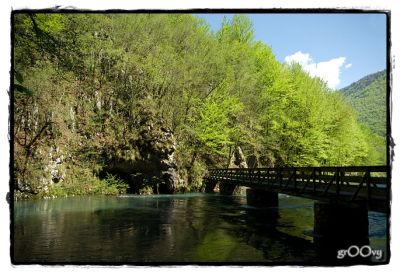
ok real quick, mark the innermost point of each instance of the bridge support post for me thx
(261, 198)
(338, 226)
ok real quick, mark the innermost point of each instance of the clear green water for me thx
(189, 228)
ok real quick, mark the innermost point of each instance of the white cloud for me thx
(299, 57)
(328, 71)
(348, 65)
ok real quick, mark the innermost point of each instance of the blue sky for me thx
(340, 48)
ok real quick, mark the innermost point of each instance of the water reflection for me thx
(263, 232)
(181, 228)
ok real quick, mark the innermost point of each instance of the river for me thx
(184, 228)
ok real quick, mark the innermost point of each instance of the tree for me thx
(93, 89)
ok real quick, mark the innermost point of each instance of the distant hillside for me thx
(368, 97)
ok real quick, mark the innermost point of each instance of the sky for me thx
(339, 48)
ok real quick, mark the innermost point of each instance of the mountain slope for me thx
(368, 97)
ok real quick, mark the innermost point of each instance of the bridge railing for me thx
(354, 183)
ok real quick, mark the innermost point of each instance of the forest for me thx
(147, 103)
(368, 97)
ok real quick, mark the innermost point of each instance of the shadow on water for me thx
(262, 232)
(191, 228)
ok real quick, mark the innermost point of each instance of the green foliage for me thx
(116, 183)
(83, 182)
(147, 190)
(50, 23)
(214, 128)
(18, 84)
(368, 97)
(198, 171)
(91, 87)
(239, 29)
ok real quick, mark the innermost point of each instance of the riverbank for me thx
(111, 185)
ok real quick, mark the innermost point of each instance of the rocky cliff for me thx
(150, 166)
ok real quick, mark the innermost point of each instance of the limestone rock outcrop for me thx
(150, 162)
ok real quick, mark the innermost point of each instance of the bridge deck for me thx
(342, 184)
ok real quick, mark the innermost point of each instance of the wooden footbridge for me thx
(345, 185)
(343, 195)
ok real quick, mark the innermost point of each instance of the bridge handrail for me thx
(323, 168)
(349, 182)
